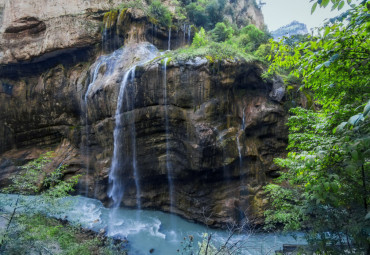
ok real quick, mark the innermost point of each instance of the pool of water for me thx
(146, 230)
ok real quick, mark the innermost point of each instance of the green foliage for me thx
(37, 234)
(27, 181)
(214, 52)
(206, 13)
(336, 4)
(324, 189)
(252, 37)
(197, 14)
(263, 51)
(33, 178)
(160, 13)
(200, 38)
(215, 11)
(221, 32)
(225, 47)
(136, 4)
(335, 64)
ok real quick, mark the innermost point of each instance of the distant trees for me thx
(221, 32)
(206, 13)
(160, 13)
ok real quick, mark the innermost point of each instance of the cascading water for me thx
(240, 147)
(152, 33)
(116, 178)
(189, 34)
(242, 215)
(122, 160)
(130, 99)
(168, 162)
(95, 75)
(243, 119)
(169, 39)
(110, 61)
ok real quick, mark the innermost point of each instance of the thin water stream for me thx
(168, 160)
(169, 39)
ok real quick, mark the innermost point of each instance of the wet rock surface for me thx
(223, 131)
(218, 126)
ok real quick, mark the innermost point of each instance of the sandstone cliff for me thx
(215, 124)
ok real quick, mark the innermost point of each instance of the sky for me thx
(278, 13)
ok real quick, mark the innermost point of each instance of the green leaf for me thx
(367, 153)
(334, 6)
(327, 30)
(354, 155)
(325, 3)
(341, 5)
(313, 8)
(351, 168)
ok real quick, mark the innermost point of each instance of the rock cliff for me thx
(213, 124)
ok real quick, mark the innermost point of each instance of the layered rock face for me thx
(197, 138)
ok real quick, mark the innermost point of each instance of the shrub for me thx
(221, 32)
(197, 14)
(200, 38)
(160, 13)
(263, 51)
(215, 11)
(254, 36)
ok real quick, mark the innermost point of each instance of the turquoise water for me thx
(146, 230)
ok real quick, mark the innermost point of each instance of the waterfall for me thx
(241, 130)
(243, 119)
(189, 34)
(110, 61)
(152, 33)
(168, 163)
(169, 39)
(116, 178)
(239, 149)
(131, 107)
(124, 134)
(95, 75)
(184, 28)
(104, 35)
